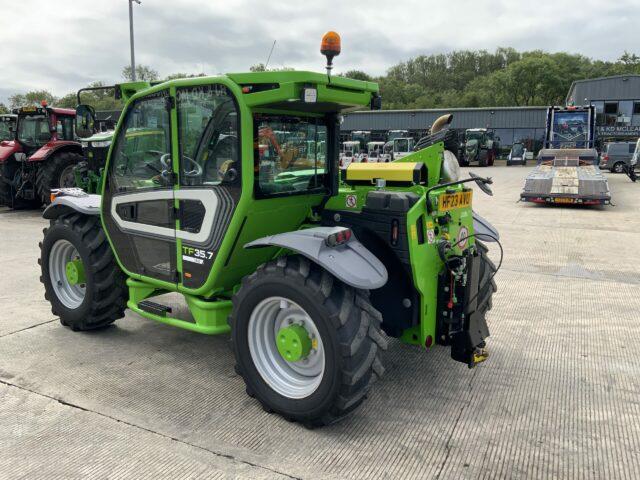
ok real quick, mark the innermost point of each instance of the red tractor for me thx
(40, 157)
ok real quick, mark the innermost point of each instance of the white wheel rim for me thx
(294, 380)
(62, 252)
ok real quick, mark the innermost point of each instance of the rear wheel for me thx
(618, 167)
(82, 281)
(306, 344)
(487, 284)
(57, 172)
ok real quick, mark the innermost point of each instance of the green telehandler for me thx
(254, 229)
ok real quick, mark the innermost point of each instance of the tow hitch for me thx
(461, 319)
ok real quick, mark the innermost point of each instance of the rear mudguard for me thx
(350, 262)
(74, 200)
(484, 231)
(50, 148)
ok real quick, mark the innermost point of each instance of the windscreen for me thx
(517, 150)
(401, 145)
(570, 130)
(33, 130)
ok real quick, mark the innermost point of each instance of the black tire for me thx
(349, 327)
(482, 158)
(487, 284)
(618, 167)
(106, 292)
(48, 175)
(8, 170)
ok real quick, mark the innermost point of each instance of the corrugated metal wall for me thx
(623, 87)
(382, 120)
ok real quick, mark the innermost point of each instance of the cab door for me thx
(209, 171)
(138, 201)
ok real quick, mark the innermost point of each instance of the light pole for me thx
(133, 57)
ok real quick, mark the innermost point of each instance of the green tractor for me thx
(308, 275)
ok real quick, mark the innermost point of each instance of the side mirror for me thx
(482, 183)
(85, 120)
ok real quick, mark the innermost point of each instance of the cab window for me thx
(208, 132)
(142, 157)
(290, 155)
(64, 128)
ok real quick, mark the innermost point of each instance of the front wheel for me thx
(82, 281)
(306, 344)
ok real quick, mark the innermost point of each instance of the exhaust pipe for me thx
(441, 122)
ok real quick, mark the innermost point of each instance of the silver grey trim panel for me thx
(206, 196)
(352, 262)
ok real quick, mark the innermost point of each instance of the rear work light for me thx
(339, 238)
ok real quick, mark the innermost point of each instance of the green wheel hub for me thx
(74, 272)
(293, 343)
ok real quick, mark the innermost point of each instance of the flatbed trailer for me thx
(567, 169)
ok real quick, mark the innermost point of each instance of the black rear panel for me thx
(381, 226)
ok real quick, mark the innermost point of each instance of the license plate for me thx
(563, 200)
(451, 201)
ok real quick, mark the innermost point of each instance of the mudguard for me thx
(482, 226)
(350, 262)
(72, 200)
(54, 146)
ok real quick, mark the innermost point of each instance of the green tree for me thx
(3, 108)
(357, 75)
(174, 76)
(260, 67)
(34, 97)
(144, 73)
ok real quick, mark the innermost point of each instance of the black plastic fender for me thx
(482, 226)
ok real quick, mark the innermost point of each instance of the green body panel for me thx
(426, 265)
(209, 316)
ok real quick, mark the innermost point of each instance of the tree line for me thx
(478, 78)
(462, 78)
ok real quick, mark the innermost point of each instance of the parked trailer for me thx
(567, 171)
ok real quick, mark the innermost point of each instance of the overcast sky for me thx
(62, 45)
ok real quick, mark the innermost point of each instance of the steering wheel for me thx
(196, 171)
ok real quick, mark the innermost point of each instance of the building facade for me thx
(616, 99)
(617, 103)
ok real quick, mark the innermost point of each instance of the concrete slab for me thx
(557, 397)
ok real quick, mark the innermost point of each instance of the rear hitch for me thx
(480, 354)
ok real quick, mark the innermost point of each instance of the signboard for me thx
(618, 131)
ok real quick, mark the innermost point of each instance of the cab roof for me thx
(282, 90)
(38, 110)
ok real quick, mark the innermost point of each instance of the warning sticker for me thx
(463, 237)
(351, 201)
(431, 236)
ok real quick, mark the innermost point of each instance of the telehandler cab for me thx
(265, 243)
